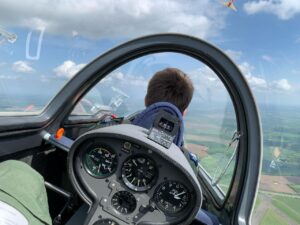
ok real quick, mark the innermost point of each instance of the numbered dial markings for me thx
(100, 161)
(139, 173)
(172, 197)
(124, 202)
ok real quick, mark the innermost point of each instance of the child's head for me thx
(170, 85)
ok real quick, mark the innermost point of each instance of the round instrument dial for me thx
(124, 202)
(100, 161)
(139, 173)
(172, 197)
(105, 222)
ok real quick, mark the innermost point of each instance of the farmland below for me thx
(208, 132)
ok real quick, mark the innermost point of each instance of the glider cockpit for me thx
(117, 174)
(128, 179)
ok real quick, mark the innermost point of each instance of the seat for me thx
(23, 189)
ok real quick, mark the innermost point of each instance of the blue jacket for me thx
(146, 119)
(147, 116)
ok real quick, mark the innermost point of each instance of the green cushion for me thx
(23, 188)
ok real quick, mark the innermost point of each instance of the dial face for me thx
(100, 161)
(171, 197)
(139, 173)
(124, 202)
(105, 222)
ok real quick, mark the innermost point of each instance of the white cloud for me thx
(281, 85)
(254, 81)
(118, 75)
(283, 9)
(68, 69)
(125, 79)
(207, 84)
(258, 83)
(204, 76)
(209, 87)
(267, 58)
(115, 19)
(113, 77)
(22, 67)
(246, 68)
(235, 55)
(137, 80)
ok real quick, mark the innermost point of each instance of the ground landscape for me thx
(278, 201)
(208, 131)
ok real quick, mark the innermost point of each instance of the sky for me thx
(55, 39)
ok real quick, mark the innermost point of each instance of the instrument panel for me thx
(172, 197)
(130, 183)
(139, 173)
(100, 161)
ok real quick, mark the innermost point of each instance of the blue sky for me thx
(262, 37)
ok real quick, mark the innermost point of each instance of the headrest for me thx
(147, 117)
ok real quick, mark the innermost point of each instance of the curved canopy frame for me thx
(243, 189)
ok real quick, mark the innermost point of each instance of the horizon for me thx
(48, 49)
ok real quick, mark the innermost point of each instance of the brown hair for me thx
(170, 85)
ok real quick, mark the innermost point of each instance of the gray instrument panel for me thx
(117, 199)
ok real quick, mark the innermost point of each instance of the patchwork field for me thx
(281, 184)
(208, 134)
(274, 209)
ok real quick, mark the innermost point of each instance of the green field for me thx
(295, 187)
(281, 130)
(257, 202)
(290, 206)
(271, 218)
